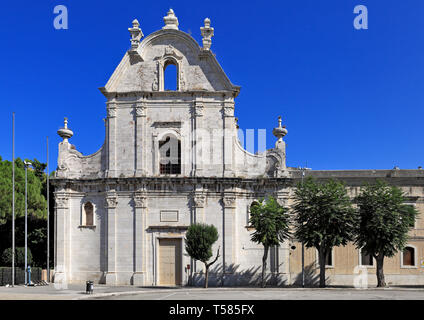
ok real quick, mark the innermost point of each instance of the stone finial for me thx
(279, 132)
(207, 34)
(171, 21)
(64, 132)
(136, 34)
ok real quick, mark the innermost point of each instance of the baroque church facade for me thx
(172, 158)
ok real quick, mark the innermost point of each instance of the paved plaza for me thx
(77, 292)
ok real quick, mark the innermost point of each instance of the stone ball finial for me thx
(64, 132)
(207, 22)
(171, 21)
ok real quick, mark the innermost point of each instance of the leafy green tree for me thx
(384, 223)
(199, 240)
(325, 218)
(6, 257)
(36, 200)
(271, 223)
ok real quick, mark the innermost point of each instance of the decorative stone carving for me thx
(279, 132)
(171, 21)
(198, 109)
(140, 110)
(111, 112)
(111, 202)
(207, 34)
(155, 85)
(136, 35)
(228, 111)
(62, 202)
(229, 201)
(140, 200)
(199, 200)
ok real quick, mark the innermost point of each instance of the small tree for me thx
(384, 223)
(324, 218)
(271, 223)
(199, 240)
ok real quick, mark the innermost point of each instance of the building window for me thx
(170, 73)
(329, 259)
(88, 218)
(408, 257)
(170, 155)
(366, 259)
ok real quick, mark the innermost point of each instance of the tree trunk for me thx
(264, 258)
(206, 275)
(321, 256)
(380, 273)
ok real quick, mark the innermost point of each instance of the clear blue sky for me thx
(351, 99)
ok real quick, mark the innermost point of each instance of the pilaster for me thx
(61, 233)
(110, 205)
(140, 211)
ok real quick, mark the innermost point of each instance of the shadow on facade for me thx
(311, 277)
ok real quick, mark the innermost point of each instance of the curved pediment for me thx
(142, 69)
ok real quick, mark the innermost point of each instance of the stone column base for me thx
(59, 277)
(139, 279)
(111, 278)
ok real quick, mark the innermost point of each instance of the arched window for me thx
(88, 214)
(170, 73)
(170, 155)
(408, 256)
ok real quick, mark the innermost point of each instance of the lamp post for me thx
(26, 217)
(303, 245)
(13, 199)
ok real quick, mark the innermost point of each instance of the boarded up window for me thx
(408, 256)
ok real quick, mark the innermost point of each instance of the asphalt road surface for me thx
(273, 294)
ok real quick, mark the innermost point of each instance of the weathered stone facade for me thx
(135, 203)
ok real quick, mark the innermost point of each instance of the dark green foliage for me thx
(199, 240)
(6, 257)
(271, 223)
(36, 200)
(325, 217)
(384, 222)
(37, 208)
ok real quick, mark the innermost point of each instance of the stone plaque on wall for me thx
(169, 216)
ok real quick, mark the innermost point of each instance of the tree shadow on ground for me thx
(234, 277)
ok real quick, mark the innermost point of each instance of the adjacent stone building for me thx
(172, 158)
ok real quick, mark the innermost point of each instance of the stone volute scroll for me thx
(111, 201)
(140, 200)
(207, 34)
(199, 200)
(229, 201)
